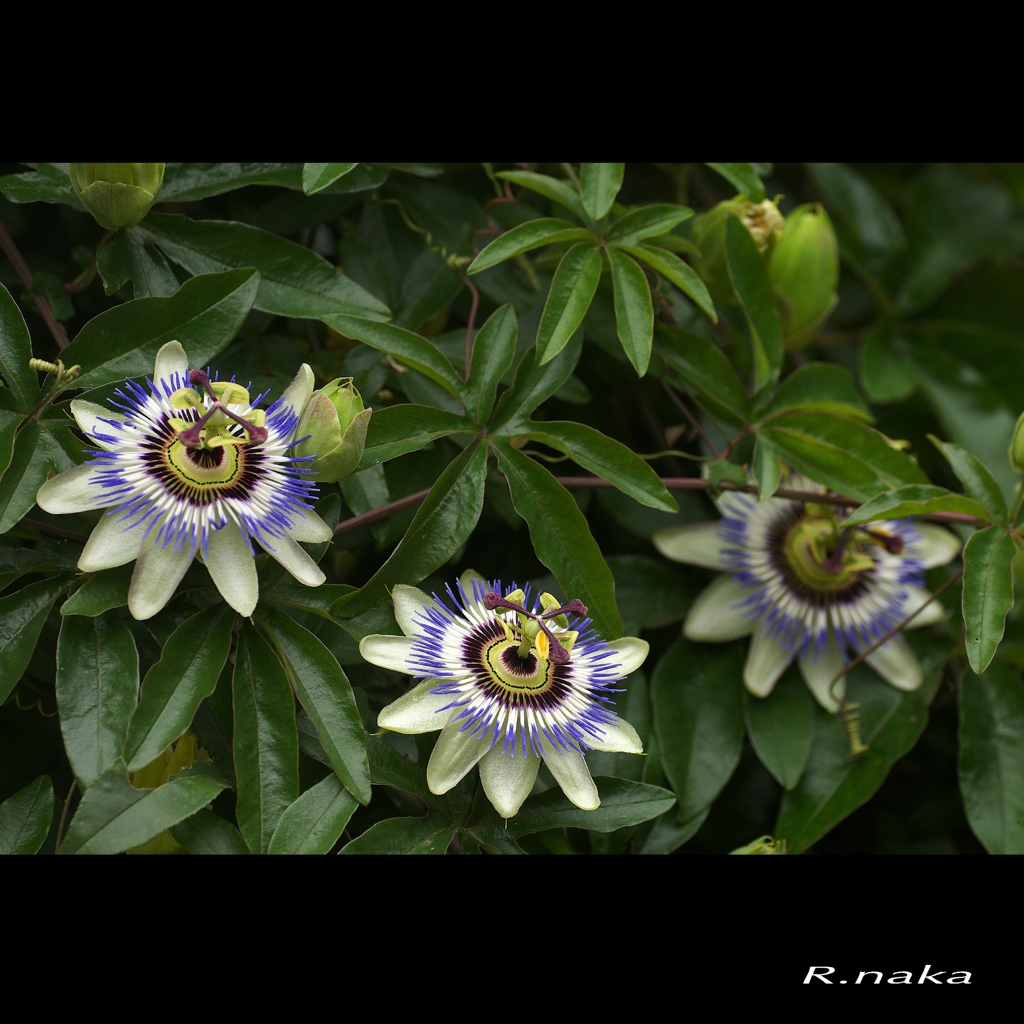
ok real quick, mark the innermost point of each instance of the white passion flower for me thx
(507, 682)
(185, 470)
(806, 587)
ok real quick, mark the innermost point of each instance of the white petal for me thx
(694, 543)
(571, 773)
(508, 780)
(409, 602)
(938, 546)
(630, 653)
(295, 560)
(233, 568)
(387, 652)
(110, 544)
(819, 672)
(618, 738)
(454, 756)
(158, 572)
(170, 360)
(300, 391)
(767, 659)
(418, 711)
(916, 596)
(90, 417)
(309, 528)
(71, 491)
(719, 613)
(897, 664)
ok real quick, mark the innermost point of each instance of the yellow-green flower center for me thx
(514, 672)
(205, 470)
(823, 555)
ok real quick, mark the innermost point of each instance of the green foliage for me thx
(565, 346)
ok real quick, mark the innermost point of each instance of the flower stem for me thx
(41, 301)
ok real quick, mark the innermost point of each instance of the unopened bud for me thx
(1017, 446)
(762, 220)
(804, 269)
(335, 422)
(117, 195)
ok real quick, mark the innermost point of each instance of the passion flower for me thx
(508, 682)
(192, 466)
(807, 587)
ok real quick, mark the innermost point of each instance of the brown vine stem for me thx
(694, 422)
(672, 483)
(56, 531)
(41, 301)
(472, 321)
(895, 629)
(64, 815)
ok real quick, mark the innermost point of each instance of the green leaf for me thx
(634, 311)
(987, 593)
(975, 476)
(684, 277)
(834, 784)
(698, 718)
(561, 537)
(649, 595)
(753, 288)
(208, 833)
(430, 835)
(25, 474)
(623, 804)
(991, 768)
(524, 237)
(668, 835)
(114, 816)
(827, 387)
(314, 823)
(128, 256)
(915, 500)
(294, 280)
(25, 818)
(494, 348)
(97, 686)
(318, 600)
(841, 452)
(535, 384)
(9, 423)
(607, 458)
(187, 183)
(22, 615)
(389, 768)
(971, 411)
(316, 177)
(442, 523)
(48, 183)
(767, 468)
(647, 222)
(266, 743)
(399, 429)
(871, 237)
(101, 592)
(403, 345)
(599, 185)
(188, 670)
(885, 372)
(557, 191)
(781, 727)
(16, 351)
(324, 691)
(204, 315)
(428, 287)
(705, 371)
(45, 557)
(743, 178)
(572, 290)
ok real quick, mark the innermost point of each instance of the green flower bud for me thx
(1017, 446)
(117, 195)
(762, 220)
(336, 423)
(805, 270)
